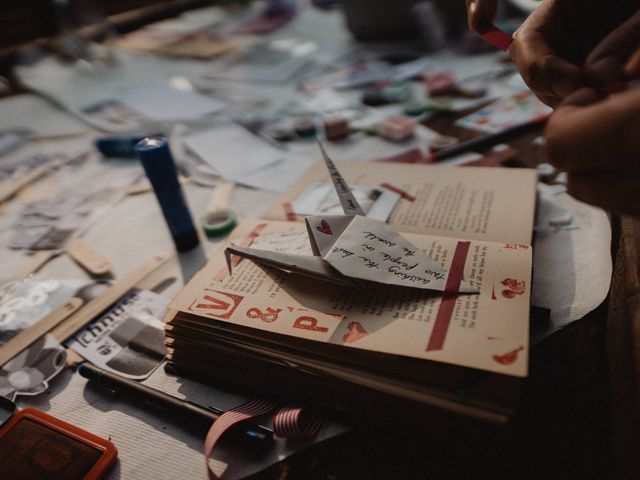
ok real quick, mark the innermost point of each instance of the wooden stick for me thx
(10, 187)
(70, 317)
(29, 335)
(88, 258)
(99, 304)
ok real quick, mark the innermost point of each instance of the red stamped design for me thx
(270, 316)
(509, 357)
(516, 246)
(355, 333)
(514, 288)
(309, 323)
(324, 228)
(220, 305)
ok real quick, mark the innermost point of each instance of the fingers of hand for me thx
(546, 74)
(481, 14)
(606, 71)
(587, 134)
(622, 43)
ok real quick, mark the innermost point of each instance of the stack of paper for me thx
(408, 357)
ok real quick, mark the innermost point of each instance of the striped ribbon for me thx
(288, 422)
(293, 422)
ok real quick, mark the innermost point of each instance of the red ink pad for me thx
(498, 38)
(34, 445)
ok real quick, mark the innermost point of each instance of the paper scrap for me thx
(30, 371)
(505, 113)
(232, 151)
(163, 103)
(129, 338)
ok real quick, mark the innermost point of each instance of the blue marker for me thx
(123, 146)
(162, 173)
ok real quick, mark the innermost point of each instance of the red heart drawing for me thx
(356, 332)
(324, 228)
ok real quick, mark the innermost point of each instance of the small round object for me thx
(306, 128)
(415, 109)
(219, 222)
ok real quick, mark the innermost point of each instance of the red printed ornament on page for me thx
(309, 323)
(221, 305)
(508, 358)
(516, 246)
(324, 228)
(270, 316)
(514, 286)
(355, 333)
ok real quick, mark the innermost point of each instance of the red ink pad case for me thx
(34, 445)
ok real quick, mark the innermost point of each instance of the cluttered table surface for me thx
(241, 99)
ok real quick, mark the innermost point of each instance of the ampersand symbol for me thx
(270, 316)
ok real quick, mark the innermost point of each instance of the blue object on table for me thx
(161, 170)
(123, 146)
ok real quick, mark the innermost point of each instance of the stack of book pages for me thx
(397, 356)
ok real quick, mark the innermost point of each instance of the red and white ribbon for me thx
(289, 422)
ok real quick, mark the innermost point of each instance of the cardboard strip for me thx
(12, 186)
(99, 304)
(403, 194)
(445, 310)
(29, 335)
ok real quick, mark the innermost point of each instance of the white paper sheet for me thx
(163, 103)
(572, 268)
(232, 151)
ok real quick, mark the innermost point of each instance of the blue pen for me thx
(161, 170)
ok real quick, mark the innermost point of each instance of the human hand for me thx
(553, 44)
(551, 47)
(617, 57)
(481, 13)
(597, 141)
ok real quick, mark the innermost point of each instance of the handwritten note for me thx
(371, 250)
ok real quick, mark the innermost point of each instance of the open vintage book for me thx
(378, 348)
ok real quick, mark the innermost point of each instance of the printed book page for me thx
(472, 203)
(488, 330)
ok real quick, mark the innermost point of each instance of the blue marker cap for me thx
(118, 146)
(161, 170)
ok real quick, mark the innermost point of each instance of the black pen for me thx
(182, 410)
(482, 143)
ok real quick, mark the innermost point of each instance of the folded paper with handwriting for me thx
(419, 354)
